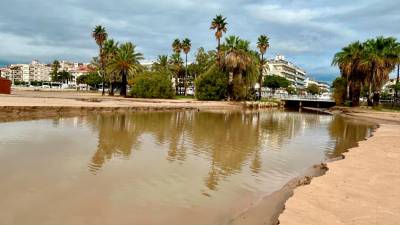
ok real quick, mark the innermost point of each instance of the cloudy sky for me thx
(307, 32)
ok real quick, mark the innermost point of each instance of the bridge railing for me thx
(299, 98)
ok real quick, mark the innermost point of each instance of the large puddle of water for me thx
(173, 168)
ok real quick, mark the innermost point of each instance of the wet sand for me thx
(30, 98)
(361, 189)
(29, 104)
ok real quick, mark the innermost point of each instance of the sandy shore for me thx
(361, 189)
(29, 104)
(84, 99)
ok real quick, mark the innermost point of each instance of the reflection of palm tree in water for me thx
(177, 148)
(346, 134)
(229, 140)
(119, 132)
(115, 138)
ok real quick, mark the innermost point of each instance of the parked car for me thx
(190, 91)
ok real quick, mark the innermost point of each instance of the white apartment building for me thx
(324, 87)
(26, 77)
(35, 71)
(281, 67)
(39, 71)
(5, 73)
(16, 72)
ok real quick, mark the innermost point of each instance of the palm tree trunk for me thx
(261, 76)
(124, 82)
(101, 68)
(218, 52)
(370, 103)
(186, 70)
(112, 88)
(398, 78)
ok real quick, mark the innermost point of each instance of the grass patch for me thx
(189, 97)
(387, 108)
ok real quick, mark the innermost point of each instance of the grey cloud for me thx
(308, 32)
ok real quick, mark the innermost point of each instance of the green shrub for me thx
(291, 90)
(212, 85)
(339, 90)
(275, 82)
(152, 85)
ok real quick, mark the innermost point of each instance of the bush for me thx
(212, 85)
(291, 90)
(274, 82)
(313, 89)
(339, 94)
(152, 85)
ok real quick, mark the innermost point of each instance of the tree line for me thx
(233, 63)
(365, 68)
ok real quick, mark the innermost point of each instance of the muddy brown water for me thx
(183, 167)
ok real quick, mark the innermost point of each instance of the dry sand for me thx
(364, 188)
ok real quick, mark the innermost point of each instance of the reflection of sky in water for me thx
(192, 162)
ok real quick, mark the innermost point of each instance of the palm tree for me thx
(237, 60)
(100, 36)
(176, 46)
(54, 71)
(176, 65)
(186, 45)
(161, 64)
(368, 63)
(379, 59)
(349, 62)
(126, 62)
(262, 45)
(219, 24)
(110, 50)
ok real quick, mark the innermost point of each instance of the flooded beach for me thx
(179, 167)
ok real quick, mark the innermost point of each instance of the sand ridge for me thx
(361, 189)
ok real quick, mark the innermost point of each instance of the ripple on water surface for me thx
(184, 167)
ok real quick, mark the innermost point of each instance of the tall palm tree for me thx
(177, 46)
(262, 45)
(100, 35)
(219, 24)
(126, 62)
(186, 46)
(110, 50)
(176, 63)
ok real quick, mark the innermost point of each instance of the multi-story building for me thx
(67, 66)
(5, 73)
(35, 71)
(26, 76)
(79, 70)
(324, 87)
(281, 67)
(16, 72)
(39, 71)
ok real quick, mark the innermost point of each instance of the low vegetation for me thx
(152, 85)
(212, 85)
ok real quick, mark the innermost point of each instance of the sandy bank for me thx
(34, 104)
(361, 189)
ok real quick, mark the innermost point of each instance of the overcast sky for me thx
(307, 32)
